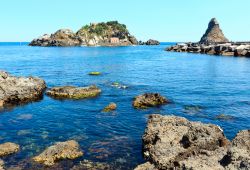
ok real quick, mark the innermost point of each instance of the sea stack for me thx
(213, 33)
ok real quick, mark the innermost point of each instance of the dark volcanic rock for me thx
(149, 100)
(61, 38)
(152, 42)
(213, 33)
(172, 142)
(72, 92)
(18, 90)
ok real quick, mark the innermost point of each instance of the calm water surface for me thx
(200, 86)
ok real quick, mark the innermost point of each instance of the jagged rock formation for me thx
(213, 33)
(19, 90)
(61, 150)
(175, 143)
(100, 34)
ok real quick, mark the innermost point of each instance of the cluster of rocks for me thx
(149, 42)
(225, 49)
(19, 90)
(96, 34)
(171, 142)
(214, 42)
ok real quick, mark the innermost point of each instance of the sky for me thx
(163, 20)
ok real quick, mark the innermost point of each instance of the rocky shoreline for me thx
(169, 142)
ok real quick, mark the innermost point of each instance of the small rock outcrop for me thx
(8, 148)
(110, 107)
(149, 100)
(149, 42)
(172, 142)
(19, 90)
(213, 33)
(152, 42)
(61, 38)
(61, 150)
(72, 92)
(111, 33)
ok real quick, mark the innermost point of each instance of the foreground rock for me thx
(110, 107)
(149, 100)
(89, 165)
(213, 33)
(8, 148)
(72, 92)
(18, 90)
(96, 34)
(175, 143)
(61, 150)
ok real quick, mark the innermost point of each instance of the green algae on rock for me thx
(61, 150)
(72, 92)
(95, 73)
(149, 100)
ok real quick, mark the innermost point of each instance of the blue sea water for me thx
(201, 87)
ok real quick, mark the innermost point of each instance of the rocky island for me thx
(95, 34)
(214, 42)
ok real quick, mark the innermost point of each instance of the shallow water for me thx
(201, 87)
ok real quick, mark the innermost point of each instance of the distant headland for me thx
(214, 42)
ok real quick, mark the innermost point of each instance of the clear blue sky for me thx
(164, 20)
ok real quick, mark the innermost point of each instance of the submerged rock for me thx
(61, 150)
(19, 90)
(8, 148)
(192, 109)
(224, 117)
(73, 92)
(213, 33)
(172, 142)
(149, 100)
(110, 107)
(89, 165)
(118, 85)
(1, 164)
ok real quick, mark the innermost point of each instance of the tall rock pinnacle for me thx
(213, 34)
